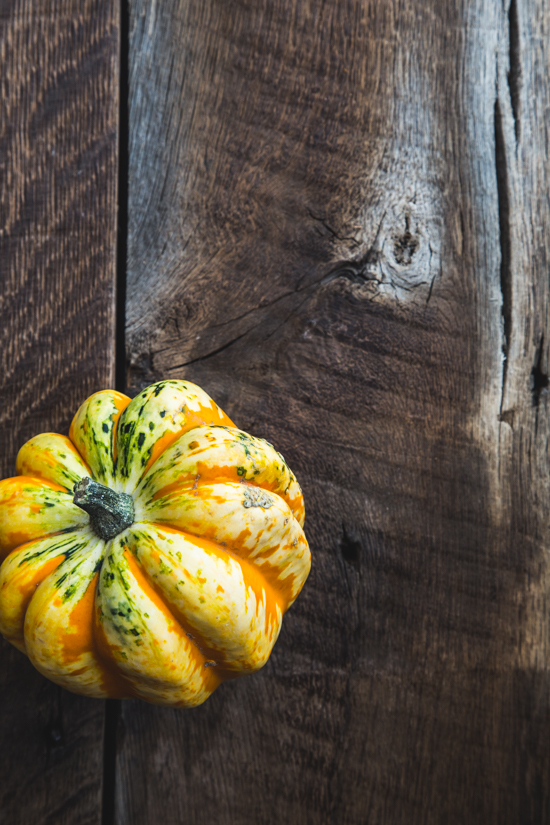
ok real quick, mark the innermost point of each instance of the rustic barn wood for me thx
(58, 168)
(339, 227)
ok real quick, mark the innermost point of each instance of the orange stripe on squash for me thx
(252, 577)
(79, 638)
(25, 580)
(206, 415)
(210, 677)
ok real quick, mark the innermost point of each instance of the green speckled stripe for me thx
(147, 645)
(93, 432)
(30, 510)
(124, 623)
(59, 622)
(66, 544)
(74, 574)
(263, 532)
(153, 420)
(27, 568)
(222, 453)
(221, 612)
(52, 457)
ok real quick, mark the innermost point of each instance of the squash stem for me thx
(110, 512)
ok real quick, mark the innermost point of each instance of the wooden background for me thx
(334, 217)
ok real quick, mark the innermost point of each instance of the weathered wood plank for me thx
(339, 227)
(58, 167)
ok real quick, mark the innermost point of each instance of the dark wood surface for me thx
(58, 172)
(338, 226)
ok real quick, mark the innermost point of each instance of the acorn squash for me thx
(152, 553)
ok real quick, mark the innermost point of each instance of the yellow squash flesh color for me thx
(193, 592)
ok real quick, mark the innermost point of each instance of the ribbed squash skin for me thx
(193, 592)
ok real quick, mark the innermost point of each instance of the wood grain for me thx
(338, 226)
(58, 168)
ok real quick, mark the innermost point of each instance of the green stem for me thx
(110, 512)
